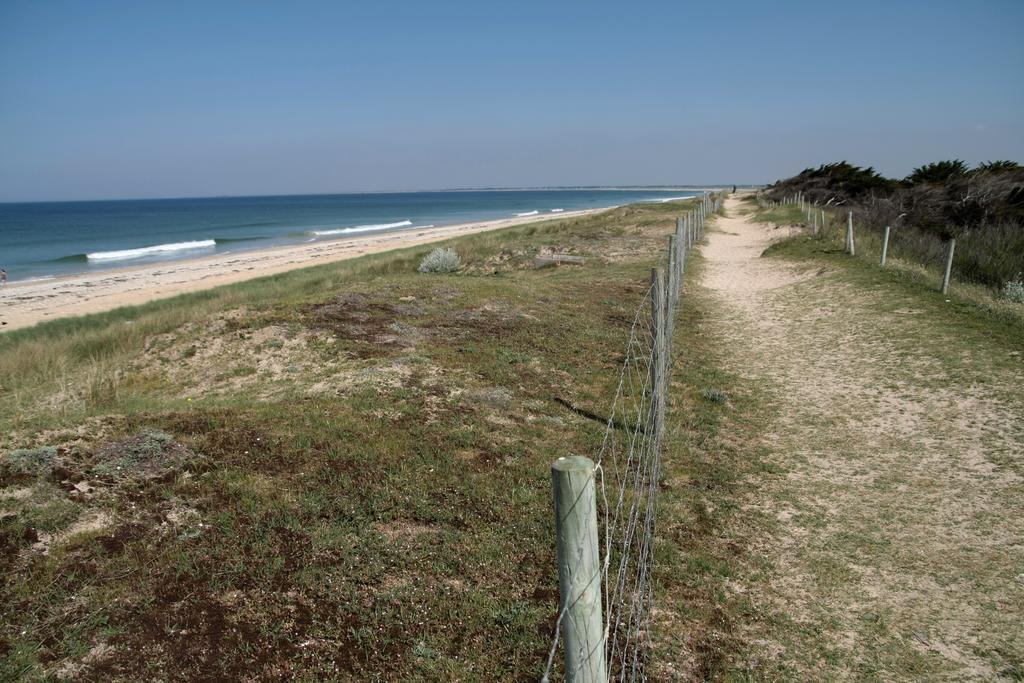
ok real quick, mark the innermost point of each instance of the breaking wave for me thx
(360, 228)
(124, 254)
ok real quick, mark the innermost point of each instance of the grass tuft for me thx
(1014, 290)
(440, 261)
(716, 396)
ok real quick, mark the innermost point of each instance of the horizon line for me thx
(676, 187)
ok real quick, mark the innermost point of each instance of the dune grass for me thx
(337, 472)
(902, 266)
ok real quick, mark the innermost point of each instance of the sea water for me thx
(50, 239)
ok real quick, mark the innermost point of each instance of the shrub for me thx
(716, 396)
(440, 261)
(147, 454)
(30, 462)
(937, 172)
(1014, 289)
(982, 208)
(1001, 166)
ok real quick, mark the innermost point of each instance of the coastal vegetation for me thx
(340, 471)
(440, 261)
(982, 208)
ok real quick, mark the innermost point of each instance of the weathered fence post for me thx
(949, 266)
(681, 251)
(579, 569)
(885, 245)
(658, 357)
(849, 234)
(672, 286)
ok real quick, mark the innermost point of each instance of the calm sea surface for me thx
(47, 239)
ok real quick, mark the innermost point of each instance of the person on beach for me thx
(3, 277)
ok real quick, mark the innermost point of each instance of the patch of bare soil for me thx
(402, 530)
(91, 522)
(894, 534)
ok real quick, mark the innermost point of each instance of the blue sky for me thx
(136, 99)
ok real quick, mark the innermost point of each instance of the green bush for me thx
(30, 462)
(716, 396)
(440, 261)
(1014, 289)
(938, 172)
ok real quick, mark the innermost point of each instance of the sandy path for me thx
(27, 303)
(895, 540)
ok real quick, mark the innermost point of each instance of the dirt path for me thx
(893, 541)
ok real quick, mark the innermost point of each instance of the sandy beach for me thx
(23, 304)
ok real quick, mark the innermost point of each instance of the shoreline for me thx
(25, 303)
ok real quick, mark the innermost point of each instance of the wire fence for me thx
(820, 222)
(606, 508)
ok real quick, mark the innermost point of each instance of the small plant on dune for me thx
(29, 462)
(1014, 289)
(716, 396)
(440, 261)
(148, 453)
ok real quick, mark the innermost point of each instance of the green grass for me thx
(969, 303)
(359, 485)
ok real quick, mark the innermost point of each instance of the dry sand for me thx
(27, 303)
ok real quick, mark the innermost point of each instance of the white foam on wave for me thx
(557, 210)
(528, 213)
(673, 199)
(362, 228)
(125, 254)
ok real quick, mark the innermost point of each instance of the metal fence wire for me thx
(612, 565)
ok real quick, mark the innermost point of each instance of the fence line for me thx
(621, 482)
(809, 209)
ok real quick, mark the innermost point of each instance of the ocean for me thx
(42, 240)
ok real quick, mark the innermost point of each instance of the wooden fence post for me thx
(849, 234)
(579, 569)
(658, 358)
(673, 268)
(885, 245)
(949, 266)
(681, 252)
